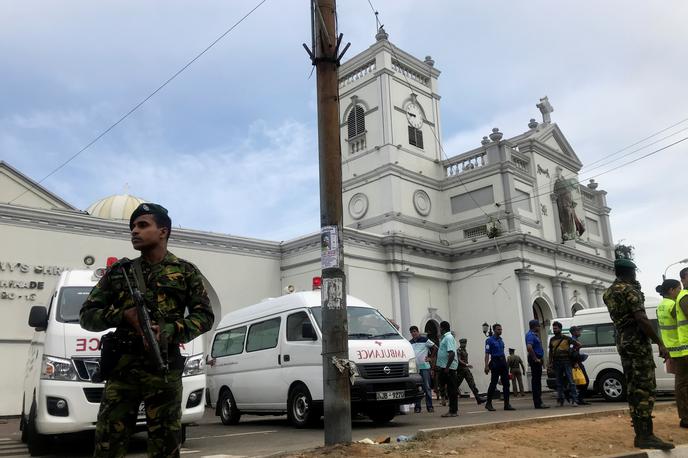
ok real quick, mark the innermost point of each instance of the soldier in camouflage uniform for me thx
(171, 286)
(464, 371)
(634, 334)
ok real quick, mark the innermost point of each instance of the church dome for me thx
(117, 207)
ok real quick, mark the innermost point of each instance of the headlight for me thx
(58, 369)
(413, 366)
(194, 365)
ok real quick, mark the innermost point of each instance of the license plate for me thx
(387, 395)
(142, 411)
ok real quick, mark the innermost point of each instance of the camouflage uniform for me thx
(623, 299)
(464, 373)
(172, 286)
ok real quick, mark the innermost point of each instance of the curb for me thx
(431, 432)
(679, 451)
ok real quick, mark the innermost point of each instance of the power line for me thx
(138, 105)
(639, 142)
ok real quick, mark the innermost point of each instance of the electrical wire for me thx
(143, 101)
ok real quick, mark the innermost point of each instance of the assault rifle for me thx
(149, 339)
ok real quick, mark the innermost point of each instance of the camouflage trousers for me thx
(464, 373)
(123, 394)
(639, 369)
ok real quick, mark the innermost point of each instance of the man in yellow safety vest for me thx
(667, 314)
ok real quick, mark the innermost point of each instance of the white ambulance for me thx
(603, 364)
(267, 360)
(59, 396)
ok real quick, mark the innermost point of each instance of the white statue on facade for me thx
(571, 225)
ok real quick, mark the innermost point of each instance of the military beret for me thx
(625, 263)
(147, 209)
(463, 340)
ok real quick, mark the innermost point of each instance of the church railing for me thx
(357, 74)
(520, 162)
(357, 143)
(409, 73)
(461, 164)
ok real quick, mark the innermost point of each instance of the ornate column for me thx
(592, 295)
(404, 303)
(565, 296)
(558, 297)
(524, 289)
(600, 291)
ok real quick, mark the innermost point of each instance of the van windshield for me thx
(364, 323)
(70, 301)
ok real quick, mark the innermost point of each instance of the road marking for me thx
(186, 451)
(229, 435)
(5, 439)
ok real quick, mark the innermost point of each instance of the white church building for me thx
(502, 233)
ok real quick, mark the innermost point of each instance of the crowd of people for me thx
(444, 366)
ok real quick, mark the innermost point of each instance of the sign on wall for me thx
(26, 280)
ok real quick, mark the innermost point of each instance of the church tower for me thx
(390, 137)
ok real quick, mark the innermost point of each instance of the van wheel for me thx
(38, 443)
(383, 415)
(229, 414)
(183, 434)
(613, 386)
(300, 409)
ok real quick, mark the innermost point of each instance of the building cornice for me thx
(84, 224)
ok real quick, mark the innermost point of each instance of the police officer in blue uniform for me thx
(495, 363)
(536, 356)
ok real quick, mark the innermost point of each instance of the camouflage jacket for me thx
(623, 299)
(463, 356)
(172, 286)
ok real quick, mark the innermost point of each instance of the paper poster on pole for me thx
(329, 247)
(332, 291)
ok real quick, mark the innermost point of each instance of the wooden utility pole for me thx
(336, 384)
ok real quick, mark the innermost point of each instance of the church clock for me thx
(414, 115)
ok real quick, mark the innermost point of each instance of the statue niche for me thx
(565, 191)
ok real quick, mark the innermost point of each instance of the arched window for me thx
(356, 121)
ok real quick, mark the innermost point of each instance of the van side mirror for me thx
(38, 317)
(308, 332)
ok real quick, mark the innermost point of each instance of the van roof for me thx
(280, 304)
(80, 277)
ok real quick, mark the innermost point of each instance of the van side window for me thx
(295, 323)
(588, 337)
(229, 343)
(606, 335)
(263, 335)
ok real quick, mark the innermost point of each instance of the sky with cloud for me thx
(231, 145)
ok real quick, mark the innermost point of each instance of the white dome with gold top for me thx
(117, 207)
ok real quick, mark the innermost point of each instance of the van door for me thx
(227, 355)
(258, 380)
(301, 355)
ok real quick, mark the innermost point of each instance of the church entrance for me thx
(542, 312)
(432, 330)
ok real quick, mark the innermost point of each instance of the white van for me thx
(267, 360)
(59, 396)
(603, 365)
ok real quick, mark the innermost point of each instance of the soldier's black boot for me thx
(645, 438)
(489, 406)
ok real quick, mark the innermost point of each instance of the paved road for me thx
(258, 436)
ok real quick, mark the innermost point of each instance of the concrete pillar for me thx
(592, 295)
(600, 292)
(524, 290)
(565, 296)
(404, 302)
(558, 297)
